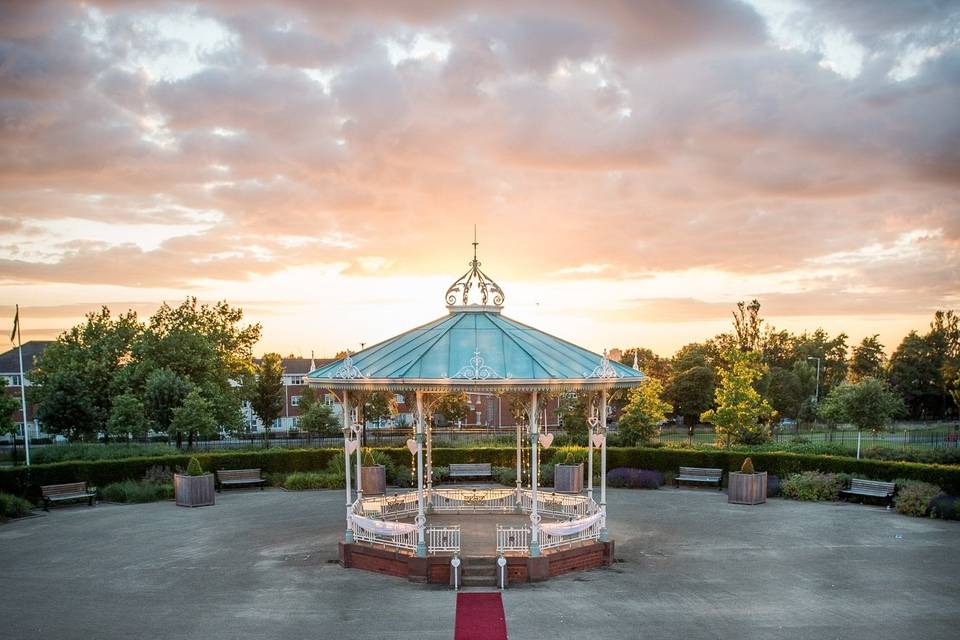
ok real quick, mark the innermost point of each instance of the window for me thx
(294, 401)
(329, 399)
(296, 380)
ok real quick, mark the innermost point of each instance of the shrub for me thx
(133, 491)
(194, 468)
(545, 479)
(634, 478)
(13, 506)
(914, 498)
(747, 466)
(90, 451)
(945, 507)
(505, 475)
(812, 485)
(305, 480)
(158, 474)
(927, 456)
(440, 473)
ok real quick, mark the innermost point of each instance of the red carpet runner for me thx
(480, 617)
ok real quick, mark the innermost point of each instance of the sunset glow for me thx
(633, 169)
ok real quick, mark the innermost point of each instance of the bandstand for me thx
(533, 534)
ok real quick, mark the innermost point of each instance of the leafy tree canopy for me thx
(867, 404)
(264, 389)
(644, 412)
(742, 415)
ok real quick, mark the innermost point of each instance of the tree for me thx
(165, 391)
(692, 382)
(128, 417)
(91, 359)
(742, 415)
(784, 391)
(265, 390)
(914, 373)
(194, 417)
(67, 408)
(573, 411)
(643, 414)
(867, 404)
(452, 407)
(380, 404)
(832, 353)
(747, 325)
(318, 419)
(868, 359)
(206, 345)
(652, 365)
(8, 406)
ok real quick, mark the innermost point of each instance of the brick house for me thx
(10, 371)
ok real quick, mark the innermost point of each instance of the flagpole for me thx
(23, 391)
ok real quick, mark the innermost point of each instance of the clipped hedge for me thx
(21, 481)
(26, 481)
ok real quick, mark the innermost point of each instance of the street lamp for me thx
(817, 396)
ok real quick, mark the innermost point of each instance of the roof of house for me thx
(10, 360)
(299, 366)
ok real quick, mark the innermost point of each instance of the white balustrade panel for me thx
(592, 532)
(406, 541)
(392, 507)
(513, 539)
(443, 539)
(474, 500)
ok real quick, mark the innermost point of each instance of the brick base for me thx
(436, 569)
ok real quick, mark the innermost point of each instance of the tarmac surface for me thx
(262, 564)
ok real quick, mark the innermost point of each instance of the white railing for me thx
(387, 507)
(559, 504)
(548, 541)
(474, 500)
(443, 539)
(407, 541)
(513, 539)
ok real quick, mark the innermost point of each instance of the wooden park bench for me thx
(696, 474)
(238, 478)
(64, 492)
(871, 489)
(480, 469)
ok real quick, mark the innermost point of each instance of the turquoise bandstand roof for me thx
(475, 348)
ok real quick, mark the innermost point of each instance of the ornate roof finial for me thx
(458, 295)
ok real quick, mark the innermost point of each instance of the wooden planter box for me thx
(373, 480)
(568, 478)
(747, 488)
(193, 491)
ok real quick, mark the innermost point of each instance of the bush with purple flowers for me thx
(634, 478)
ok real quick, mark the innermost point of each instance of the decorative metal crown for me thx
(459, 292)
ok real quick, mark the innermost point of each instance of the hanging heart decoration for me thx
(412, 445)
(598, 439)
(546, 439)
(352, 446)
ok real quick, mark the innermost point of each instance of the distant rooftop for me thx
(10, 360)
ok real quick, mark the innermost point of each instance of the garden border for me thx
(25, 481)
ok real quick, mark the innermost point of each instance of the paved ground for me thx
(262, 565)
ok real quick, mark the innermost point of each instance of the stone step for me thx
(485, 570)
(477, 561)
(479, 581)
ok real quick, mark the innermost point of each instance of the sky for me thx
(633, 169)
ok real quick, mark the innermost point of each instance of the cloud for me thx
(587, 140)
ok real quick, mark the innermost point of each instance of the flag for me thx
(16, 321)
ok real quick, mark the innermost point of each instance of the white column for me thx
(590, 453)
(603, 466)
(534, 479)
(518, 497)
(359, 427)
(428, 425)
(421, 519)
(348, 536)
